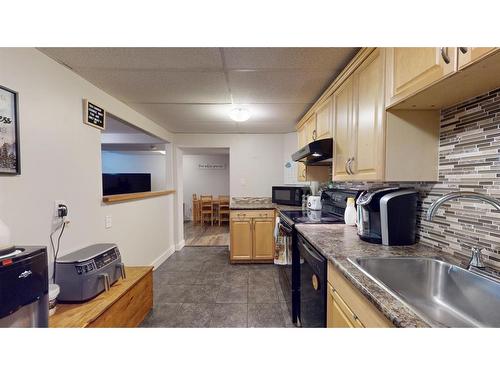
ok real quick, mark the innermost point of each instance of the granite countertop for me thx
(339, 241)
(252, 203)
(260, 203)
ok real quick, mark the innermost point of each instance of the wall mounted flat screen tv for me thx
(125, 183)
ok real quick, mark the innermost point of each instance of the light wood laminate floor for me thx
(206, 235)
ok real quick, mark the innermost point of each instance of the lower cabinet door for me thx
(241, 239)
(263, 239)
(338, 314)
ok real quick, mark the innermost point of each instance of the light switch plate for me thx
(108, 221)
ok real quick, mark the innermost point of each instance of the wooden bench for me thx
(126, 304)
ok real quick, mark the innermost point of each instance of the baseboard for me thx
(180, 245)
(163, 257)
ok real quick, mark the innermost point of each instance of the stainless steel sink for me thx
(441, 293)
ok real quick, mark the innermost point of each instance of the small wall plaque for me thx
(94, 115)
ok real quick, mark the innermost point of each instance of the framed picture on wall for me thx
(9, 132)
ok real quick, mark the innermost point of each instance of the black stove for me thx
(311, 217)
(295, 272)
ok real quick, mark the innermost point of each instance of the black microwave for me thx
(289, 195)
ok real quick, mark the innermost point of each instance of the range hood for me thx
(316, 153)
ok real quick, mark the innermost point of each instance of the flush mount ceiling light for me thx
(239, 114)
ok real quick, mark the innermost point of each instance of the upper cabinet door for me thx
(343, 123)
(324, 120)
(301, 133)
(412, 69)
(368, 131)
(310, 129)
(469, 55)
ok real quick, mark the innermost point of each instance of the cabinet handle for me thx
(349, 165)
(346, 164)
(444, 55)
(463, 49)
(314, 135)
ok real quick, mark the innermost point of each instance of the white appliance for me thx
(314, 202)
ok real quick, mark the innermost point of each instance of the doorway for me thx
(206, 196)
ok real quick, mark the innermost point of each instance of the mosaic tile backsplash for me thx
(469, 160)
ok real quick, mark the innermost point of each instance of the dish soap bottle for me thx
(350, 212)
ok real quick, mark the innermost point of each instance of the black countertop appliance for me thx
(24, 285)
(388, 216)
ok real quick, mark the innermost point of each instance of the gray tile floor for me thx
(197, 287)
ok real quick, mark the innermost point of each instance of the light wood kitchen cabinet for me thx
(305, 135)
(263, 242)
(252, 235)
(324, 120)
(343, 125)
(410, 70)
(470, 55)
(241, 239)
(310, 129)
(301, 172)
(359, 123)
(367, 156)
(346, 307)
(338, 313)
(301, 133)
(372, 144)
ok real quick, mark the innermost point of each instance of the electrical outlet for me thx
(56, 207)
(108, 221)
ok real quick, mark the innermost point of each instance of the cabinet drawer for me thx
(369, 315)
(251, 214)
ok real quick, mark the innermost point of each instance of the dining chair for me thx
(196, 209)
(207, 209)
(223, 208)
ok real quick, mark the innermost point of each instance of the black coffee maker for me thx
(388, 216)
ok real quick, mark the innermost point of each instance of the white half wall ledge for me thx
(163, 257)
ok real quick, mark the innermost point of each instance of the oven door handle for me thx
(310, 252)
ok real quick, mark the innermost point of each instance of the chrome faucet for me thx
(476, 260)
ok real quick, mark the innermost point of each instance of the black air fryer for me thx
(388, 216)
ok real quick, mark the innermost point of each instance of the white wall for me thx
(198, 181)
(61, 159)
(255, 160)
(137, 162)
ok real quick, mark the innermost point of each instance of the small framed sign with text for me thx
(9, 132)
(94, 115)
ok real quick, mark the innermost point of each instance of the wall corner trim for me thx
(180, 245)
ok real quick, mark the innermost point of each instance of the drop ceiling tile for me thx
(184, 113)
(278, 86)
(137, 58)
(173, 116)
(206, 127)
(160, 86)
(329, 59)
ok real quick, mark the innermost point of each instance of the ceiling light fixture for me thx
(239, 114)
